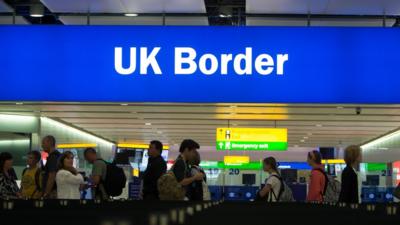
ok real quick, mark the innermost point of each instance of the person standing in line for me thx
(349, 191)
(50, 169)
(31, 181)
(99, 173)
(156, 167)
(271, 190)
(316, 187)
(8, 185)
(200, 191)
(181, 167)
(69, 181)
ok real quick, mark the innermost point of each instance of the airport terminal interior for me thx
(236, 126)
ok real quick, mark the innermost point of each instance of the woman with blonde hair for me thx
(349, 190)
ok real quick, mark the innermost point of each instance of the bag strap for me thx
(281, 189)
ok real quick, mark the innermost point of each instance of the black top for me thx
(349, 191)
(155, 168)
(181, 169)
(51, 166)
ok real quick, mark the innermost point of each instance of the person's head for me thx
(90, 155)
(314, 158)
(48, 143)
(352, 155)
(155, 148)
(270, 165)
(188, 148)
(33, 157)
(6, 161)
(66, 160)
(195, 160)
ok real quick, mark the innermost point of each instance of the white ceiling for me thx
(264, 21)
(4, 7)
(322, 125)
(139, 20)
(335, 7)
(126, 6)
(7, 20)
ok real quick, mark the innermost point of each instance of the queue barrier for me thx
(131, 212)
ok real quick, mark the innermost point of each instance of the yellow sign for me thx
(333, 161)
(251, 139)
(86, 145)
(140, 146)
(236, 160)
(252, 134)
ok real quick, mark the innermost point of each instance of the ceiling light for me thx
(124, 104)
(302, 140)
(131, 14)
(36, 10)
(147, 124)
(309, 134)
(318, 125)
(305, 137)
(19, 103)
(159, 132)
(339, 107)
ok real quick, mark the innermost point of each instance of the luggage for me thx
(115, 180)
(285, 193)
(332, 188)
(169, 189)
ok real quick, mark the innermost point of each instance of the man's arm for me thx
(96, 179)
(50, 183)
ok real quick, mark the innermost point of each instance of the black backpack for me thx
(115, 180)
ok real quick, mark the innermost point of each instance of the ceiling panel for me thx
(138, 20)
(286, 6)
(363, 7)
(126, 6)
(112, 20)
(4, 8)
(331, 7)
(308, 125)
(8, 20)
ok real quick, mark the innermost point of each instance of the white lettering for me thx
(264, 60)
(179, 60)
(225, 59)
(118, 61)
(247, 62)
(149, 60)
(281, 60)
(203, 62)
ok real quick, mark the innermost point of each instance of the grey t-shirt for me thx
(99, 169)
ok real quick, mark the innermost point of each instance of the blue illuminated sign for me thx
(199, 64)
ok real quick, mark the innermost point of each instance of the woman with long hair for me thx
(8, 185)
(273, 183)
(68, 179)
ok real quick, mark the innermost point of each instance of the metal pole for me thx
(88, 18)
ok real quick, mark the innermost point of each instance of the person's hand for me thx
(72, 170)
(199, 176)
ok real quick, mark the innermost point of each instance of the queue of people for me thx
(59, 179)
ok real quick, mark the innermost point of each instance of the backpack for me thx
(285, 193)
(205, 190)
(169, 188)
(332, 188)
(38, 185)
(115, 180)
